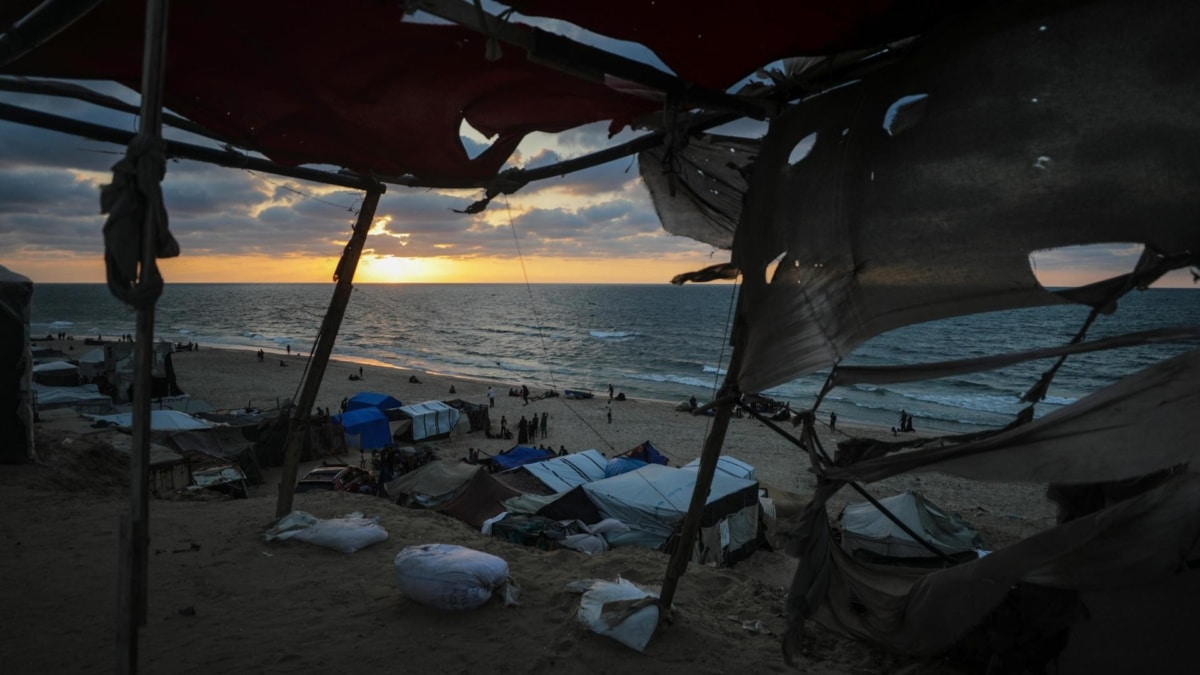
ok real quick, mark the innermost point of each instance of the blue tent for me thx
(370, 399)
(619, 465)
(646, 452)
(369, 423)
(519, 455)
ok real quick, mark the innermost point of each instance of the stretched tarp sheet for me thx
(727, 465)
(433, 484)
(57, 397)
(563, 473)
(520, 455)
(431, 419)
(368, 426)
(160, 420)
(655, 498)
(619, 465)
(370, 399)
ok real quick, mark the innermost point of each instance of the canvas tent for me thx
(519, 455)
(654, 499)
(563, 473)
(430, 420)
(56, 374)
(865, 528)
(728, 465)
(160, 420)
(365, 428)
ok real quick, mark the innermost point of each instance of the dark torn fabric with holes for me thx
(1010, 129)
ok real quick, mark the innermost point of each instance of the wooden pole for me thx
(330, 326)
(678, 565)
(135, 527)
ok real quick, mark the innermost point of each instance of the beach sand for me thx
(220, 598)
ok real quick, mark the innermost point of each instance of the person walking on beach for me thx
(491, 398)
(832, 420)
(503, 427)
(545, 416)
(525, 394)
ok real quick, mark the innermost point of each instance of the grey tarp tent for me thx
(866, 528)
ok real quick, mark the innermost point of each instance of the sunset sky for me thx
(594, 226)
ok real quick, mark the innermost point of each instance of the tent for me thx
(16, 412)
(370, 399)
(431, 420)
(519, 455)
(56, 374)
(563, 473)
(431, 485)
(92, 364)
(89, 395)
(365, 428)
(727, 465)
(654, 500)
(160, 420)
(477, 413)
(865, 528)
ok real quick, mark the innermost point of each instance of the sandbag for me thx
(624, 611)
(452, 577)
(347, 534)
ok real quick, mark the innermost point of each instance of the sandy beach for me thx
(222, 598)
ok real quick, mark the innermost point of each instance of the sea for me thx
(658, 342)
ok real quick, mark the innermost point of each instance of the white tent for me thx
(563, 473)
(866, 528)
(57, 397)
(431, 419)
(91, 364)
(654, 500)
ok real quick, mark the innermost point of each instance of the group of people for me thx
(527, 429)
(906, 423)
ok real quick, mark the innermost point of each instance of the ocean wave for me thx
(672, 379)
(613, 334)
(714, 370)
(61, 324)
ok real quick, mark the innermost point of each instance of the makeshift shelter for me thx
(84, 396)
(57, 374)
(867, 530)
(727, 465)
(430, 421)
(365, 428)
(16, 411)
(519, 455)
(160, 420)
(370, 399)
(431, 485)
(91, 365)
(916, 154)
(654, 499)
(476, 413)
(563, 473)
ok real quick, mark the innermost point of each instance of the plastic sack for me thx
(347, 534)
(624, 611)
(452, 577)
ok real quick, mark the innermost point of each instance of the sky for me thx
(593, 226)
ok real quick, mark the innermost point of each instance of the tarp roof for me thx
(160, 420)
(866, 527)
(371, 399)
(563, 473)
(370, 423)
(358, 84)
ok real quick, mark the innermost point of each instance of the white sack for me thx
(623, 610)
(452, 577)
(347, 534)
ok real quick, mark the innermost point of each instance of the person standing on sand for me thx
(503, 427)
(261, 356)
(525, 394)
(610, 392)
(609, 414)
(523, 431)
(491, 398)
(545, 417)
(832, 420)
(533, 425)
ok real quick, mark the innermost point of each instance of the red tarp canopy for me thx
(354, 84)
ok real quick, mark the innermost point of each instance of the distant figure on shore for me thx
(452, 390)
(692, 402)
(610, 392)
(412, 379)
(261, 356)
(522, 431)
(533, 426)
(903, 419)
(545, 417)
(360, 372)
(525, 394)
(491, 398)
(345, 403)
(609, 414)
(832, 420)
(503, 427)
(289, 350)
(562, 451)
(282, 363)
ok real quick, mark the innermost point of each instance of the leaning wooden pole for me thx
(135, 527)
(298, 424)
(727, 399)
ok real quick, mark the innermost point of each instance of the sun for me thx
(389, 269)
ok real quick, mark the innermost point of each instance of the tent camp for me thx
(365, 428)
(519, 455)
(465, 491)
(654, 499)
(430, 420)
(727, 465)
(92, 364)
(867, 530)
(85, 395)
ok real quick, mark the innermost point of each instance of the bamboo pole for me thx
(135, 527)
(330, 326)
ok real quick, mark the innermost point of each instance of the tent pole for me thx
(135, 527)
(677, 567)
(344, 276)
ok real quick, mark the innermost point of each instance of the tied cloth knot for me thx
(131, 201)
